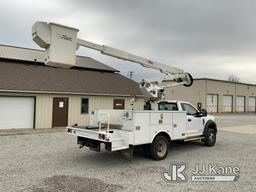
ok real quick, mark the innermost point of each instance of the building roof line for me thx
(17, 53)
(40, 50)
(67, 93)
(38, 63)
(13, 46)
(226, 81)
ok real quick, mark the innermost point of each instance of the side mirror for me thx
(198, 114)
(204, 112)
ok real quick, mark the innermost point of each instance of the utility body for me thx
(116, 130)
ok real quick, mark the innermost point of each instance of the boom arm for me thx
(61, 43)
(130, 57)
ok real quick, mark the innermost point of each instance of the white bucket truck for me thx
(122, 130)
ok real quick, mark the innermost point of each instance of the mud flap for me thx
(128, 153)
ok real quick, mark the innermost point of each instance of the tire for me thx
(210, 137)
(159, 148)
(146, 151)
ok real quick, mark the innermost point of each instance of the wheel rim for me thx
(211, 137)
(161, 148)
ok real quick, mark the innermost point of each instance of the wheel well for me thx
(164, 134)
(210, 125)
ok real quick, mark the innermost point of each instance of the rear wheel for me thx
(210, 138)
(159, 148)
(146, 150)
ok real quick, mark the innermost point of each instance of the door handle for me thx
(189, 120)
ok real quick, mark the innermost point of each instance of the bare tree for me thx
(233, 78)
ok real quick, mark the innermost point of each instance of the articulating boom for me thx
(61, 43)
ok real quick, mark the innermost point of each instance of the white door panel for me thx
(252, 104)
(240, 104)
(194, 125)
(227, 103)
(16, 112)
(212, 103)
(142, 130)
(179, 126)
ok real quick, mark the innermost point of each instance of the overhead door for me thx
(212, 103)
(240, 104)
(252, 104)
(227, 103)
(16, 112)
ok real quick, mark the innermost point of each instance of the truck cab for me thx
(196, 120)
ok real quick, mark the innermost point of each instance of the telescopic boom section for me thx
(61, 42)
(106, 50)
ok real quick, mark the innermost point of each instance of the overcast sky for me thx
(208, 38)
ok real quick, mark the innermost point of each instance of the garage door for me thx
(252, 104)
(240, 104)
(16, 112)
(212, 103)
(227, 103)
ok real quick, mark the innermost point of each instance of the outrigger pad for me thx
(128, 153)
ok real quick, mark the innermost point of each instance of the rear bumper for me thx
(101, 136)
(94, 145)
(93, 138)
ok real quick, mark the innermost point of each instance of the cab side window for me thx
(164, 106)
(188, 108)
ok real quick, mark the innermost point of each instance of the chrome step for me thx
(194, 138)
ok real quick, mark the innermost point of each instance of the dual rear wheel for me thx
(158, 150)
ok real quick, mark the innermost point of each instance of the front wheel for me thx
(210, 138)
(159, 148)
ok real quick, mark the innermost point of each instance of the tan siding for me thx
(74, 113)
(44, 105)
(43, 111)
(246, 91)
(95, 103)
(221, 88)
(194, 94)
(198, 91)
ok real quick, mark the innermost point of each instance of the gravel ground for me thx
(52, 162)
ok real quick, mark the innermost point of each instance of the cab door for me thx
(194, 122)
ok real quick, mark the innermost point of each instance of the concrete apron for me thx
(244, 129)
(6, 132)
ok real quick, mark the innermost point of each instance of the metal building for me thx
(33, 95)
(217, 96)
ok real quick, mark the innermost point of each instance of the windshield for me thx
(164, 106)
